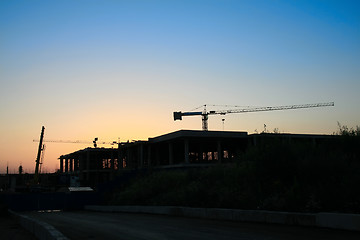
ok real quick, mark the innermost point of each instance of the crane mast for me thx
(205, 114)
(38, 158)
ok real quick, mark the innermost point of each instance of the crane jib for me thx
(262, 109)
(204, 114)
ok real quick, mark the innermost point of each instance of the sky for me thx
(118, 69)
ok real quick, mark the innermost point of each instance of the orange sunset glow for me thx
(119, 69)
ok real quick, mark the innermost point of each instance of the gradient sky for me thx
(119, 69)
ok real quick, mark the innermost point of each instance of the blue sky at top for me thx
(122, 67)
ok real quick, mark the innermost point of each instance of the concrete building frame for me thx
(183, 148)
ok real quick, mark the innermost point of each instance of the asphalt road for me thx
(11, 229)
(99, 225)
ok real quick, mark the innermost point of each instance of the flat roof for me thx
(198, 134)
(89, 149)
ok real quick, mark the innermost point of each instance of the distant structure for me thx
(205, 114)
(39, 155)
(90, 165)
(183, 148)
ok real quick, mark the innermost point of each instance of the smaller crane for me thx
(94, 142)
(205, 114)
(38, 158)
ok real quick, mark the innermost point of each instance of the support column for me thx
(112, 165)
(157, 156)
(81, 168)
(219, 150)
(76, 164)
(71, 165)
(129, 162)
(186, 151)
(112, 161)
(81, 163)
(171, 158)
(87, 165)
(61, 164)
(149, 156)
(66, 165)
(141, 155)
(121, 158)
(201, 154)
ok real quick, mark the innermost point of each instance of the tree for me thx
(345, 131)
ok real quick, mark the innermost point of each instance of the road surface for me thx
(99, 225)
(11, 229)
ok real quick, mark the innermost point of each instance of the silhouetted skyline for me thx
(119, 69)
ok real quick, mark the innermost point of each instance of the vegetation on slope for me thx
(276, 176)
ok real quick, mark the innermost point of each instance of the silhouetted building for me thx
(183, 148)
(90, 165)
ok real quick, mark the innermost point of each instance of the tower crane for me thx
(205, 114)
(38, 158)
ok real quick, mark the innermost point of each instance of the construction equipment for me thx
(94, 142)
(38, 158)
(205, 114)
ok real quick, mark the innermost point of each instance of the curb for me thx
(41, 230)
(325, 220)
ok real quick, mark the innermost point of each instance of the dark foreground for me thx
(97, 225)
(10, 229)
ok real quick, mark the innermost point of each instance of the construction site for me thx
(199, 168)
(95, 165)
(182, 148)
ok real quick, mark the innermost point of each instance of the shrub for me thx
(275, 176)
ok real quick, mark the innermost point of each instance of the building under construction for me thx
(177, 149)
(184, 148)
